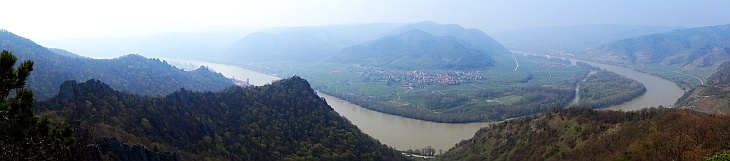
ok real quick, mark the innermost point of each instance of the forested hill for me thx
(585, 134)
(131, 73)
(316, 43)
(474, 37)
(284, 120)
(416, 50)
(703, 47)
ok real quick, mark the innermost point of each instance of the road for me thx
(517, 63)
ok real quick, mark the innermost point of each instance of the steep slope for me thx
(573, 38)
(131, 73)
(416, 49)
(476, 38)
(285, 120)
(713, 97)
(584, 134)
(694, 48)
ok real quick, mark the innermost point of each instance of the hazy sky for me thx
(55, 19)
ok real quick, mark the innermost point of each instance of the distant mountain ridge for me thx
(131, 73)
(317, 43)
(302, 43)
(64, 53)
(416, 49)
(258, 47)
(702, 47)
(191, 45)
(573, 38)
(475, 37)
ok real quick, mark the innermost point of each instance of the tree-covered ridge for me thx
(131, 73)
(284, 120)
(584, 134)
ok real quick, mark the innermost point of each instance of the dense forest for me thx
(132, 73)
(605, 88)
(585, 134)
(285, 120)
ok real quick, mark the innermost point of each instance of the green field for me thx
(492, 93)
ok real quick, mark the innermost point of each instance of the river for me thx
(659, 91)
(406, 133)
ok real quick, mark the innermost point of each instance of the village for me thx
(414, 78)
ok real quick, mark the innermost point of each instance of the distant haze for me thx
(45, 20)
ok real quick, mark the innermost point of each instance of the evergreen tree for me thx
(24, 136)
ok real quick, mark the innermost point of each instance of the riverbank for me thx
(659, 91)
(406, 133)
